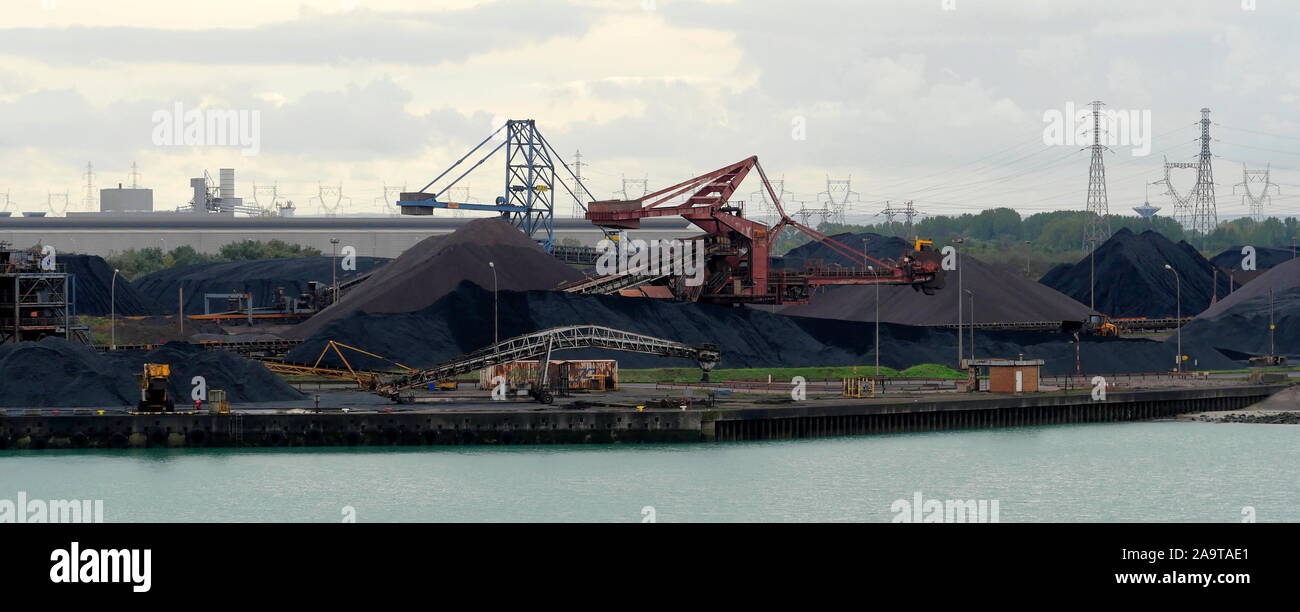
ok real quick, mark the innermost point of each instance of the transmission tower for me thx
(461, 194)
(7, 202)
(906, 211)
(52, 200)
(1098, 228)
(634, 188)
(388, 198)
(577, 175)
(1196, 211)
(838, 197)
(272, 190)
(89, 201)
(135, 176)
(766, 207)
(1256, 202)
(329, 199)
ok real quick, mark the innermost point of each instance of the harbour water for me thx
(1149, 471)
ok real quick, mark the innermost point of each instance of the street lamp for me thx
(495, 338)
(1027, 243)
(972, 323)
(872, 269)
(1178, 318)
(334, 270)
(112, 311)
(957, 261)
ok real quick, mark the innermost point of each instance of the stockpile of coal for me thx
(436, 265)
(261, 278)
(1265, 258)
(56, 373)
(243, 380)
(1240, 321)
(1131, 279)
(999, 298)
(94, 289)
(877, 246)
(462, 322)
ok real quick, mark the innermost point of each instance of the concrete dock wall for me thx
(516, 426)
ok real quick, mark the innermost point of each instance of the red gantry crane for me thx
(737, 265)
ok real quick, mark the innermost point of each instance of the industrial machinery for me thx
(737, 250)
(539, 345)
(153, 388)
(528, 199)
(217, 402)
(1101, 325)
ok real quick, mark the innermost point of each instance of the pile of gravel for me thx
(1240, 321)
(261, 278)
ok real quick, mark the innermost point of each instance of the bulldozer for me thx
(153, 388)
(1101, 325)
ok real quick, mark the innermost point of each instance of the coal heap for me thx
(436, 265)
(243, 380)
(1265, 258)
(1000, 297)
(56, 373)
(878, 246)
(462, 320)
(94, 289)
(1240, 321)
(1131, 279)
(261, 278)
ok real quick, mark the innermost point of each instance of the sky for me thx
(940, 102)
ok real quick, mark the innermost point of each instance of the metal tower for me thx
(89, 200)
(528, 201)
(135, 176)
(906, 211)
(51, 198)
(838, 197)
(766, 208)
(577, 175)
(1098, 228)
(1196, 211)
(1256, 202)
(329, 199)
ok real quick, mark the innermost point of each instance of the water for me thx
(1155, 471)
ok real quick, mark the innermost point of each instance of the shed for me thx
(1008, 375)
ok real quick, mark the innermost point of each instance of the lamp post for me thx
(957, 261)
(334, 270)
(1178, 318)
(872, 269)
(972, 323)
(112, 311)
(495, 338)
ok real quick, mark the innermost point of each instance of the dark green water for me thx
(1160, 471)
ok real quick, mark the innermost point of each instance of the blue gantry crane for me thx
(528, 197)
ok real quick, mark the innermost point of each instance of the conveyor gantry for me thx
(541, 344)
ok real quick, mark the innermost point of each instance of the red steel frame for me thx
(746, 257)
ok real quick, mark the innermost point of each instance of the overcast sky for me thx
(914, 101)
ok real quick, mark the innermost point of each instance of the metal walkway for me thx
(542, 343)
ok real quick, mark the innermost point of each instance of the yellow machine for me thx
(859, 387)
(1101, 325)
(217, 402)
(153, 388)
(446, 385)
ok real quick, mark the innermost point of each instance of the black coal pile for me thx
(55, 373)
(1131, 279)
(1265, 258)
(262, 278)
(435, 266)
(1240, 321)
(999, 298)
(93, 289)
(462, 321)
(877, 246)
(243, 380)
